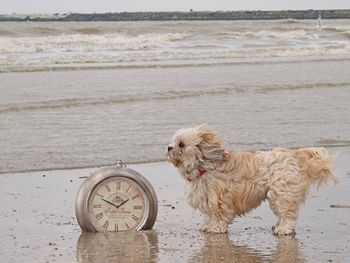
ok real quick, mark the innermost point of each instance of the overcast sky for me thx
(98, 6)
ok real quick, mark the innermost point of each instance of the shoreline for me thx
(78, 167)
(179, 16)
(156, 161)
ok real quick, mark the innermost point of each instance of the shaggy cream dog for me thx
(223, 184)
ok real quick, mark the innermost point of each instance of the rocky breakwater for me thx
(191, 15)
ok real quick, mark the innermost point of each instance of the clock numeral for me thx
(107, 187)
(136, 196)
(116, 228)
(117, 185)
(99, 216)
(127, 226)
(97, 206)
(137, 206)
(106, 224)
(135, 218)
(128, 189)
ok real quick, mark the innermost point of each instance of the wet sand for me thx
(38, 224)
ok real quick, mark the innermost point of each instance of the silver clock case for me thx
(86, 189)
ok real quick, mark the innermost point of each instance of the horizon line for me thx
(173, 11)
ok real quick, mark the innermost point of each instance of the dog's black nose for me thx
(170, 148)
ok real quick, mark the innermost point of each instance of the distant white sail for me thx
(319, 23)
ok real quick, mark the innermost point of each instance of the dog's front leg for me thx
(216, 225)
(205, 223)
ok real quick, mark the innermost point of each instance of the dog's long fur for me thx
(236, 182)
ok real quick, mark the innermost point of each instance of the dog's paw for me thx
(204, 228)
(219, 228)
(282, 231)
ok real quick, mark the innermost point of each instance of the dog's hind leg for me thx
(287, 191)
(285, 196)
(286, 211)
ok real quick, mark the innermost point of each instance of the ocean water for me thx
(59, 45)
(82, 94)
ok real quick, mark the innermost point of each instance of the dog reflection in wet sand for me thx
(224, 184)
(220, 248)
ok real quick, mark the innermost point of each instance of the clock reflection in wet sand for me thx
(117, 204)
(118, 247)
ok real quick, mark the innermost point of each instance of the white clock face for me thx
(117, 204)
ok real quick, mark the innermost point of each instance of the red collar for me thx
(201, 171)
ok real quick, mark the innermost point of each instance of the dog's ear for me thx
(211, 146)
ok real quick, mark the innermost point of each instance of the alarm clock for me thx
(116, 198)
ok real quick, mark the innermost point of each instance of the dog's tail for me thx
(315, 164)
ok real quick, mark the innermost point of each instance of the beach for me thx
(75, 96)
(38, 224)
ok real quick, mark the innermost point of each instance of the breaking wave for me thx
(336, 28)
(286, 34)
(85, 42)
(77, 60)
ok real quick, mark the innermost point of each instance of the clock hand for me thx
(109, 202)
(122, 203)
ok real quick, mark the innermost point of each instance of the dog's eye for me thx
(181, 145)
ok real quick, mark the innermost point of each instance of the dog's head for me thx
(192, 148)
